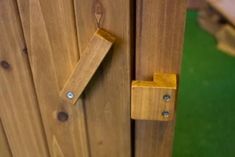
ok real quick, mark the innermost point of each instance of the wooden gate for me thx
(49, 46)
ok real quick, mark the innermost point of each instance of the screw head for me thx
(166, 97)
(70, 95)
(165, 114)
(62, 116)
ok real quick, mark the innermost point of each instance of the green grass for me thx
(205, 124)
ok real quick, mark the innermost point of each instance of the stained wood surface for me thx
(4, 146)
(154, 100)
(18, 108)
(96, 50)
(159, 41)
(49, 29)
(196, 4)
(107, 97)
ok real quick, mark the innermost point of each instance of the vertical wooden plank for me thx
(49, 28)
(18, 108)
(159, 40)
(4, 146)
(107, 97)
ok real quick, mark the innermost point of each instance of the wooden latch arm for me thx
(96, 50)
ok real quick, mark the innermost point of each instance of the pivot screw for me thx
(166, 97)
(165, 114)
(70, 95)
(62, 116)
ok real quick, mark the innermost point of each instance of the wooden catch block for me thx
(154, 100)
(96, 50)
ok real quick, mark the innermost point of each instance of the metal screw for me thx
(62, 116)
(70, 95)
(5, 64)
(165, 114)
(166, 97)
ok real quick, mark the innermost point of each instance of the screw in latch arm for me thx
(70, 95)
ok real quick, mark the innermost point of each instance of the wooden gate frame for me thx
(41, 42)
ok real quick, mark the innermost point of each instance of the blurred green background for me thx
(205, 124)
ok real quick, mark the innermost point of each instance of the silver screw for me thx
(166, 97)
(165, 114)
(70, 95)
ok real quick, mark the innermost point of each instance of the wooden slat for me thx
(49, 28)
(159, 40)
(18, 108)
(4, 146)
(96, 50)
(107, 97)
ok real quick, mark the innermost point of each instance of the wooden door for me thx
(41, 42)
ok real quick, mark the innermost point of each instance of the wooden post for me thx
(159, 41)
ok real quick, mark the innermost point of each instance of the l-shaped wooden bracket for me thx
(96, 50)
(154, 100)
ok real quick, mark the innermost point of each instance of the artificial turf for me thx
(205, 125)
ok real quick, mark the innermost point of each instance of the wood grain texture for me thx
(50, 32)
(18, 108)
(149, 99)
(107, 97)
(159, 41)
(4, 145)
(196, 4)
(93, 55)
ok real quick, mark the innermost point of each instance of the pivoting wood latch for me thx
(96, 50)
(154, 100)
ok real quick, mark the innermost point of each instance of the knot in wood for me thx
(5, 64)
(62, 116)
